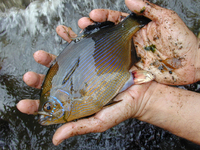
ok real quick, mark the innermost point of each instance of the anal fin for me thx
(142, 76)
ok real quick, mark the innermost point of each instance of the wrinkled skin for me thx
(150, 102)
(172, 39)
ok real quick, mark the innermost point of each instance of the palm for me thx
(167, 49)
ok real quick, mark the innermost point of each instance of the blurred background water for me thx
(29, 25)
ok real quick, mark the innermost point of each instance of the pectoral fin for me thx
(69, 74)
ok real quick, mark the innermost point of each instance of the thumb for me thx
(145, 8)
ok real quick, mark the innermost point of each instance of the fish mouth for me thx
(44, 116)
(53, 115)
(44, 113)
(47, 118)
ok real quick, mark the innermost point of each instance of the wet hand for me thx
(131, 105)
(166, 46)
(35, 80)
(133, 100)
(155, 103)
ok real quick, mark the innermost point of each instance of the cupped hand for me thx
(134, 99)
(131, 104)
(167, 48)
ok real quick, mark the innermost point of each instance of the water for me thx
(29, 25)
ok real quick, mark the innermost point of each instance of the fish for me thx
(90, 72)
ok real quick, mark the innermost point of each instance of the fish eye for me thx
(48, 106)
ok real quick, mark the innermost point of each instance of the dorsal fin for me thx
(92, 29)
(97, 26)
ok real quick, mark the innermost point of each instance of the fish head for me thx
(54, 108)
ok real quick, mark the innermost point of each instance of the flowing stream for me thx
(29, 25)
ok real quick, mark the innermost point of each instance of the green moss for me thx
(150, 48)
(142, 10)
(198, 35)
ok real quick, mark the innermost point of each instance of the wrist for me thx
(197, 61)
(175, 110)
(156, 108)
(145, 100)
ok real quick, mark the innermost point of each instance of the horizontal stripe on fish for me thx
(95, 82)
(98, 60)
(99, 84)
(100, 81)
(98, 52)
(85, 108)
(106, 77)
(95, 68)
(113, 69)
(84, 66)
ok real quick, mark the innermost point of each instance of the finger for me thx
(33, 79)
(103, 120)
(71, 129)
(66, 33)
(44, 58)
(28, 106)
(145, 8)
(84, 22)
(101, 15)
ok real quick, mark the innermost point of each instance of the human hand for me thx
(131, 104)
(134, 101)
(168, 49)
(176, 56)
(170, 108)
